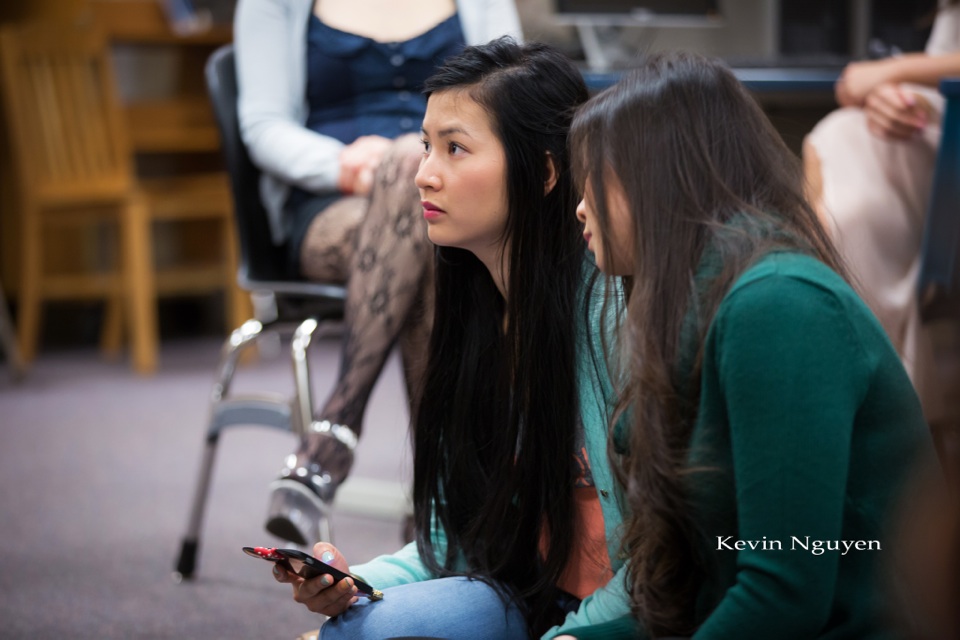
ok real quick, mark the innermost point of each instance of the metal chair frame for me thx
(294, 309)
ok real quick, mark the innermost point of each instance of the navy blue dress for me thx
(357, 86)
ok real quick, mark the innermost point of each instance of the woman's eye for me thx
(455, 148)
(426, 145)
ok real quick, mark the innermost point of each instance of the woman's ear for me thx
(551, 181)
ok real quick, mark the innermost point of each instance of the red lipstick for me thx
(431, 211)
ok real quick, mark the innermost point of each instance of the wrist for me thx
(345, 181)
(900, 69)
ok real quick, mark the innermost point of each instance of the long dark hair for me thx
(494, 428)
(701, 166)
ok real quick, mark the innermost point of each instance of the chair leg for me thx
(140, 287)
(303, 389)
(240, 338)
(8, 340)
(187, 560)
(285, 414)
(111, 335)
(29, 314)
(302, 405)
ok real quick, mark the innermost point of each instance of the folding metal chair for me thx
(295, 308)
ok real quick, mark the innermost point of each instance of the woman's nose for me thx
(582, 210)
(426, 177)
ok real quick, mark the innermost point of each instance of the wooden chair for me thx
(75, 169)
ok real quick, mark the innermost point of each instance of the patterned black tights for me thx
(379, 246)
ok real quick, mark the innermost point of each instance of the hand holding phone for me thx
(306, 566)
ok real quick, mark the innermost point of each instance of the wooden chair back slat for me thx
(73, 127)
(61, 94)
(103, 156)
(45, 121)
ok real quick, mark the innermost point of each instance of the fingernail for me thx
(325, 581)
(276, 571)
(327, 556)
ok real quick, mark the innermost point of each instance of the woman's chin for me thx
(441, 239)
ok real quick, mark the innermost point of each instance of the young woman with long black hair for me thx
(515, 505)
(329, 109)
(772, 423)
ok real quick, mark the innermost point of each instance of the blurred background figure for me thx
(869, 167)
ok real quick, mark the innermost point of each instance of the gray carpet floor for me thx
(97, 470)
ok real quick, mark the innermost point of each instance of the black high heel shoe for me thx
(301, 498)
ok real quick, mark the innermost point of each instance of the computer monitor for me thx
(641, 8)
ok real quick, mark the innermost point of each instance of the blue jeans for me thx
(443, 608)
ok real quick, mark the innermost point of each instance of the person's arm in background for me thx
(271, 98)
(898, 95)
(859, 79)
(882, 89)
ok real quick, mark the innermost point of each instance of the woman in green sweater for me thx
(771, 420)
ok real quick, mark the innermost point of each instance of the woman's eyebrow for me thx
(448, 131)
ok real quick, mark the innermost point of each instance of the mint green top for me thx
(596, 402)
(808, 423)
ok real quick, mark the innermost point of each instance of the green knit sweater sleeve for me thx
(790, 371)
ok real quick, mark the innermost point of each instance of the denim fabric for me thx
(442, 608)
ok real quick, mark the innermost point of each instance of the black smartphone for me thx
(306, 566)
